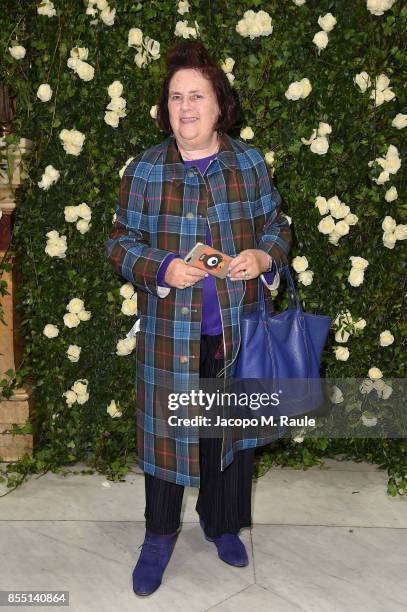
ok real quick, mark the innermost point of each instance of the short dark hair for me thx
(193, 54)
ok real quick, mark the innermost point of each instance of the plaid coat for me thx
(164, 207)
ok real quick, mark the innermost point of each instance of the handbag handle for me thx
(291, 290)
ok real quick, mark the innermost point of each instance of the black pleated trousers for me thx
(224, 500)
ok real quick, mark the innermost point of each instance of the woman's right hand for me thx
(181, 275)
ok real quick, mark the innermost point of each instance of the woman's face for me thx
(193, 107)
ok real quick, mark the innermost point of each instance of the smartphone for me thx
(210, 260)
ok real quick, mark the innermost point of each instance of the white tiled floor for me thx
(323, 540)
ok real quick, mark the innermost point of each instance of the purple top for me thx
(211, 318)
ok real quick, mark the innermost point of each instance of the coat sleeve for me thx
(128, 247)
(273, 233)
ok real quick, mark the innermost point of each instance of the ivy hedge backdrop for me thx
(322, 90)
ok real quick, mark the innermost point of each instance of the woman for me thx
(198, 185)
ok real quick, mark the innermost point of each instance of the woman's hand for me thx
(181, 275)
(248, 264)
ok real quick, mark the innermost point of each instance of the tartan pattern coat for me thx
(164, 207)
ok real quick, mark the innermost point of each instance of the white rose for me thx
(84, 315)
(116, 104)
(363, 81)
(107, 16)
(230, 78)
(71, 319)
(401, 231)
(80, 386)
(153, 111)
(111, 118)
(75, 305)
(367, 386)
(152, 47)
(101, 4)
(312, 137)
(299, 263)
(388, 94)
(294, 91)
(382, 82)
(399, 121)
(378, 7)
(141, 59)
(306, 277)
(50, 331)
(319, 145)
(72, 63)
(129, 307)
(334, 238)
(391, 194)
(336, 395)
(115, 89)
(84, 211)
(383, 391)
(321, 39)
(324, 128)
(73, 352)
(135, 38)
(125, 346)
(269, 157)
(368, 419)
(299, 2)
(46, 8)
(359, 262)
(113, 410)
(389, 239)
(71, 213)
(306, 87)
(351, 219)
(82, 398)
(228, 64)
(327, 22)
(85, 71)
(386, 338)
(356, 277)
(360, 324)
(44, 92)
(326, 225)
(127, 290)
(389, 224)
(340, 211)
(341, 335)
(70, 397)
(375, 373)
(79, 53)
(183, 7)
(341, 228)
(83, 226)
(322, 205)
(246, 133)
(341, 353)
(17, 51)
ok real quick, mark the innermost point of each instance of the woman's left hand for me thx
(248, 264)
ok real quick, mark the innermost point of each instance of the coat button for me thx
(184, 310)
(183, 359)
(189, 215)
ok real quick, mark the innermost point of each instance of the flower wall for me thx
(322, 92)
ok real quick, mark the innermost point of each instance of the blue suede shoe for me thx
(155, 553)
(230, 548)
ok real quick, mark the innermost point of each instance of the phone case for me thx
(210, 260)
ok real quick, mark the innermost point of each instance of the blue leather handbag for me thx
(284, 350)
